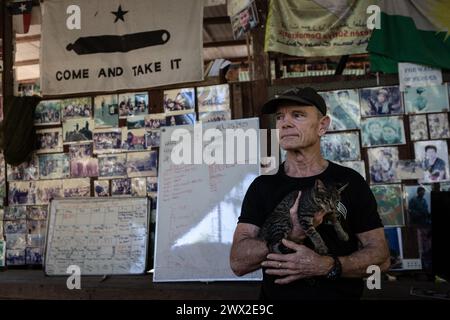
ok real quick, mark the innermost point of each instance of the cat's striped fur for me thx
(313, 200)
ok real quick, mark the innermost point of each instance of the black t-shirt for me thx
(357, 214)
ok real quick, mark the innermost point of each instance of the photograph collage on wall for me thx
(380, 101)
(343, 109)
(426, 99)
(381, 131)
(48, 112)
(133, 104)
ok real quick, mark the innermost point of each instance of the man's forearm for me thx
(355, 265)
(247, 255)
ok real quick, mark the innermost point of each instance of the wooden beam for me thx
(26, 63)
(230, 43)
(24, 39)
(216, 20)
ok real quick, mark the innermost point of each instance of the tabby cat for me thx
(312, 200)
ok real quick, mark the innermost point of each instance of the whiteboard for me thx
(102, 236)
(197, 211)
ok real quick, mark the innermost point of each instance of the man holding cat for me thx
(303, 273)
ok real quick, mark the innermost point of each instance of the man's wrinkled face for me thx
(300, 126)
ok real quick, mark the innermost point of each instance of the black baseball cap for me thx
(302, 96)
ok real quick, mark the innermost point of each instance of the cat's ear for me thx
(320, 185)
(343, 187)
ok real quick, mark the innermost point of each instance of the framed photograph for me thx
(358, 166)
(152, 186)
(37, 229)
(22, 192)
(341, 146)
(394, 241)
(141, 164)
(37, 212)
(179, 100)
(48, 112)
(215, 116)
(180, 119)
(106, 111)
(15, 212)
(380, 101)
(112, 166)
(54, 166)
(137, 122)
(77, 130)
(101, 188)
(107, 140)
(16, 241)
(409, 169)
(438, 123)
(121, 187)
(434, 158)
(418, 127)
(383, 164)
(418, 204)
(48, 190)
(34, 256)
(77, 108)
(49, 140)
(82, 164)
(25, 171)
(133, 104)
(213, 98)
(343, 109)
(15, 227)
(138, 187)
(152, 138)
(390, 204)
(155, 121)
(381, 131)
(244, 20)
(80, 187)
(426, 99)
(15, 257)
(133, 140)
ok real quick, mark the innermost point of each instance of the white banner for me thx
(108, 45)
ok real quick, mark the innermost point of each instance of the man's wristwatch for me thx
(336, 270)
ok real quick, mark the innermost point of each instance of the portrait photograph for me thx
(343, 109)
(383, 164)
(358, 166)
(133, 104)
(138, 187)
(155, 121)
(394, 241)
(214, 116)
(438, 124)
(141, 164)
(418, 204)
(112, 166)
(213, 98)
(152, 138)
(381, 131)
(106, 111)
(48, 190)
(80, 187)
(180, 119)
(418, 127)
(36, 212)
(101, 188)
(48, 112)
(390, 204)
(49, 140)
(121, 187)
(133, 140)
(244, 20)
(426, 99)
(433, 155)
(77, 130)
(341, 146)
(25, 171)
(136, 122)
(108, 140)
(54, 166)
(22, 192)
(179, 100)
(77, 108)
(380, 101)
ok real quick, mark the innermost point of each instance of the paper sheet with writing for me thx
(100, 236)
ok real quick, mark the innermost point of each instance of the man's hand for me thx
(303, 263)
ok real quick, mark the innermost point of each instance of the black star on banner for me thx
(119, 14)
